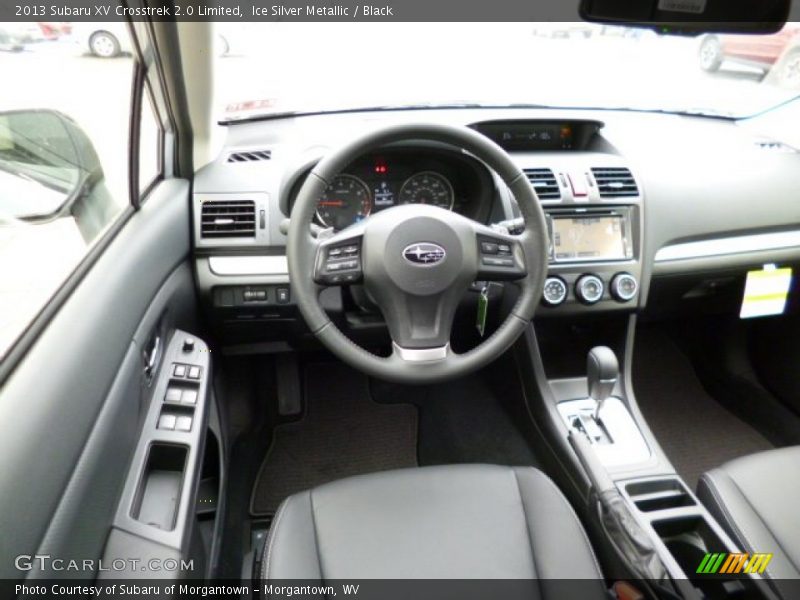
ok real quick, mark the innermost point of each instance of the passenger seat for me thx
(756, 498)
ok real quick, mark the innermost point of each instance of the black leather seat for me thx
(448, 522)
(755, 498)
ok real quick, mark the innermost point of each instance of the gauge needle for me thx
(337, 203)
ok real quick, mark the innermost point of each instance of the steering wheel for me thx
(417, 261)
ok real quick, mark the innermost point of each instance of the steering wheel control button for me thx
(504, 249)
(341, 264)
(493, 261)
(589, 289)
(489, 248)
(624, 287)
(555, 291)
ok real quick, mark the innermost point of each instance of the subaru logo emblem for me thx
(424, 253)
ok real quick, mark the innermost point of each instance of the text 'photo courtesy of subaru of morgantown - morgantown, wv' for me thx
(400, 300)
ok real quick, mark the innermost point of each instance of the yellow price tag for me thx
(765, 292)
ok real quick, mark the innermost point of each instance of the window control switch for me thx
(173, 395)
(167, 421)
(183, 423)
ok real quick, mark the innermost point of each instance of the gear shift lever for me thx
(602, 370)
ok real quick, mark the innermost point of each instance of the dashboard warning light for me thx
(381, 168)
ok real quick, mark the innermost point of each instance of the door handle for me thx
(151, 357)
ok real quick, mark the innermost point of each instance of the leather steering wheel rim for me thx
(302, 251)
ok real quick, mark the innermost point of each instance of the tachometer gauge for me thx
(427, 187)
(346, 201)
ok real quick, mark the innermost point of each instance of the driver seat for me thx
(443, 522)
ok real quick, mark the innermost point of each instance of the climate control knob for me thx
(624, 287)
(555, 291)
(589, 289)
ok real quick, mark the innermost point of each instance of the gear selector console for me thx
(602, 416)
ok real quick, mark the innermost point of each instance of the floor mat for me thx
(463, 421)
(343, 433)
(693, 429)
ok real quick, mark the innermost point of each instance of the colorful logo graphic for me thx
(723, 562)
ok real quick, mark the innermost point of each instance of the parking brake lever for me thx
(632, 543)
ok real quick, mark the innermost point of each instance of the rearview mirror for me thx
(47, 163)
(691, 17)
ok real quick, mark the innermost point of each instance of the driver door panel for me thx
(76, 403)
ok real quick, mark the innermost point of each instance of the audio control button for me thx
(589, 289)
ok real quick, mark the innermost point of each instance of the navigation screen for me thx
(588, 238)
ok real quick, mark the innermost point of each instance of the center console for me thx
(593, 204)
(594, 259)
(652, 522)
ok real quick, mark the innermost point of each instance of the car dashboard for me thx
(645, 211)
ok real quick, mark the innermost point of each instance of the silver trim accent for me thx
(561, 297)
(421, 354)
(625, 213)
(616, 291)
(579, 291)
(731, 245)
(434, 174)
(248, 265)
(359, 181)
(627, 446)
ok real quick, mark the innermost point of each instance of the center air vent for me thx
(544, 182)
(228, 218)
(249, 156)
(615, 182)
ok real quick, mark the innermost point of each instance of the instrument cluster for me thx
(380, 181)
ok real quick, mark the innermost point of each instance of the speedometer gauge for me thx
(427, 187)
(346, 201)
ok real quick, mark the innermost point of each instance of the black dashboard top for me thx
(695, 178)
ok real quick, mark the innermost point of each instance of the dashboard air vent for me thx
(544, 182)
(228, 218)
(615, 182)
(773, 146)
(249, 156)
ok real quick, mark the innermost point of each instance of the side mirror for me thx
(47, 164)
(691, 17)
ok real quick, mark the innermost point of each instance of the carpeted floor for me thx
(343, 433)
(695, 431)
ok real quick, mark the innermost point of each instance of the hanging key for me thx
(483, 309)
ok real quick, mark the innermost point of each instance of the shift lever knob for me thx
(602, 370)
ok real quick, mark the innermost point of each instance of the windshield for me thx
(309, 67)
